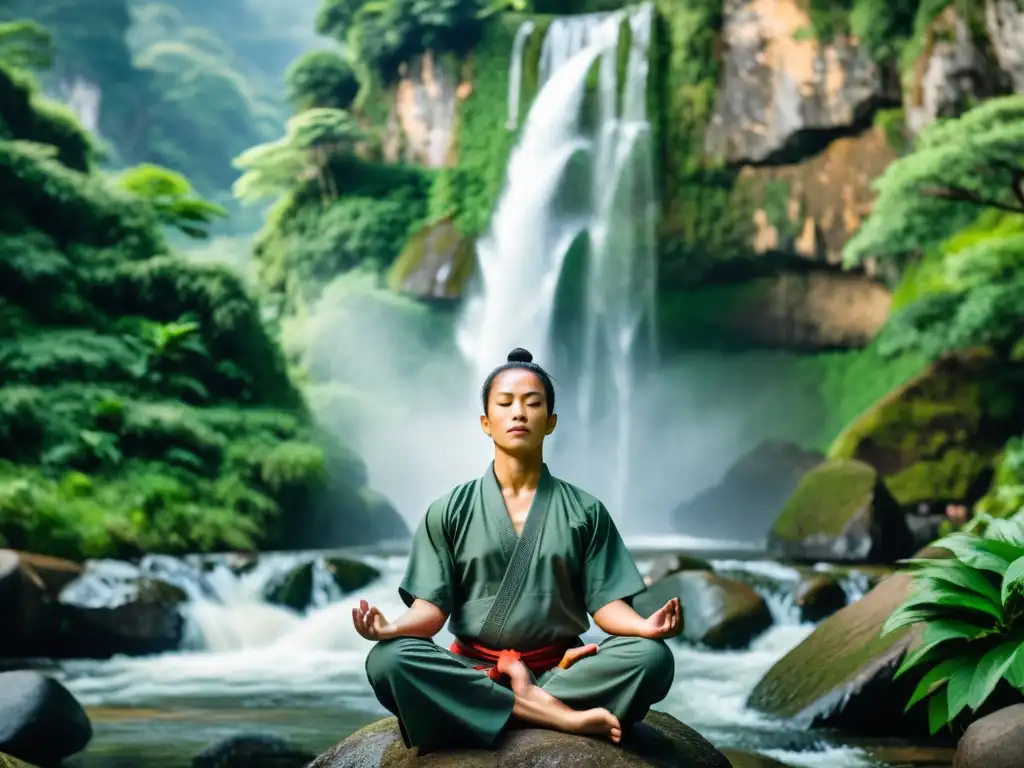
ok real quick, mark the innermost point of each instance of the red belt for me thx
(539, 661)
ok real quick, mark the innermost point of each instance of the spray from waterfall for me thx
(581, 176)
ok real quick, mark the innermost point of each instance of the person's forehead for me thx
(518, 380)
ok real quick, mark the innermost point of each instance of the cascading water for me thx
(582, 169)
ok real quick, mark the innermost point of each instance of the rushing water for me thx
(257, 668)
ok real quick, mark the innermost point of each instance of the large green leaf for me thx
(1015, 672)
(1013, 578)
(934, 635)
(983, 554)
(989, 671)
(929, 592)
(937, 676)
(958, 689)
(905, 616)
(955, 572)
(938, 709)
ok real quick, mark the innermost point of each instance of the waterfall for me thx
(582, 172)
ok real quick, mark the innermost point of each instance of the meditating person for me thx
(517, 559)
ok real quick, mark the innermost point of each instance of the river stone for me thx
(40, 721)
(669, 564)
(818, 596)
(717, 612)
(749, 497)
(295, 589)
(29, 586)
(660, 740)
(841, 674)
(841, 511)
(252, 751)
(113, 609)
(994, 741)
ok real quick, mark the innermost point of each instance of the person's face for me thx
(517, 416)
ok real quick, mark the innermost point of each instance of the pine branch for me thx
(962, 195)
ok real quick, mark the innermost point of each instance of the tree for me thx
(321, 79)
(960, 168)
(172, 198)
(25, 45)
(311, 139)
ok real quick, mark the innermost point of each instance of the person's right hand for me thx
(369, 622)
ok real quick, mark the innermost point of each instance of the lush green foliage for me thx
(143, 406)
(321, 79)
(972, 609)
(1006, 496)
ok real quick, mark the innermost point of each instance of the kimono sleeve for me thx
(429, 574)
(609, 572)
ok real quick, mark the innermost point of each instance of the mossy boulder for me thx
(935, 439)
(841, 674)
(841, 511)
(748, 499)
(717, 612)
(660, 740)
(819, 595)
(436, 263)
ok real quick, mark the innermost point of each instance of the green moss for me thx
(934, 438)
(434, 248)
(826, 500)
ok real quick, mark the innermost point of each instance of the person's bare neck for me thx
(518, 473)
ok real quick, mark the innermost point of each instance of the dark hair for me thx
(519, 358)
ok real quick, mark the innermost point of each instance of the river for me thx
(252, 667)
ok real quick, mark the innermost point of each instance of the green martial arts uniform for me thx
(509, 591)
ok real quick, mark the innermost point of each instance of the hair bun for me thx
(520, 355)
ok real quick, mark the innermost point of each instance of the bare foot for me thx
(575, 654)
(595, 722)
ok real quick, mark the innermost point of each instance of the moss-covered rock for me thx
(935, 439)
(660, 740)
(436, 263)
(841, 511)
(717, 612)
(841, 674)
(818, 596)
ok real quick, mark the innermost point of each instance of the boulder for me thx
(841, 511)
(841, 674)
(112, 608)
(717, 612)
(747, 500)
(252, 751)
(818, 596)
(669, 564)
(436, 263)
(660, 740)
(319, 581)
(994, 741)
(29, 587)
(781, 90)
(40, 721)
(934, 440)
(738, 759)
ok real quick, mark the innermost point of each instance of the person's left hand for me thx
(666, 622)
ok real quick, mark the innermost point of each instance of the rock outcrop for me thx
(30, 586)
(1005, 22)
(818, 596)
(781, 88)
(422, 118)
(841, 674)
(297, 588)
(952, 73)
(436, 263)
(40, 721)
(717, 612)
(660, 740)
(841, 511)
(748, 499)
(934, 439)
(994, 741)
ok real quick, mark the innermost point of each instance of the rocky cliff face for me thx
(1004, 20)
(779, 87)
